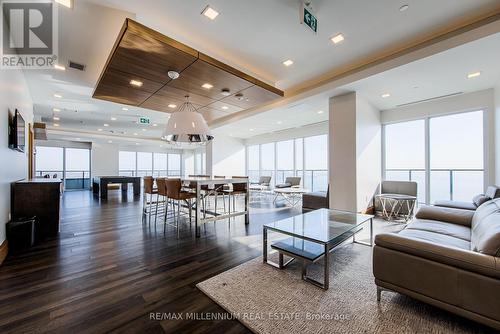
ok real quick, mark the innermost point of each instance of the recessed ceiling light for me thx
(403, 8)
(135, 134)
(137, 143)
(207, 86)
(224, 107)
(279, 122)
(56, 118)
(473, 75)
(124, 109)
(155, 124)
(99, 129)
(136, 83)
(57, 96)
(110, 142)
(210, 12)
(250, 129)
(113, 118)
(320, 112)
(56, 109)
(56, 125)
(106, 124)
(59, 67)
(288, 62)
(337, 38)
(172, 106)
(386, 95)
(65, 3)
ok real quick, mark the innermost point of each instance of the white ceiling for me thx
(255, 36)
(439, 75)
(258, 35)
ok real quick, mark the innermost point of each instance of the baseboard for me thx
(4, 249)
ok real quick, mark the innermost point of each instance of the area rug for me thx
(269, 300)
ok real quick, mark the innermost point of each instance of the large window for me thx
(147, 163)
(405, 154)
(455, 155)
(253, 158)
(71, 165)
(316, 162)
(160, 164)
(288, 158)
(284, 160)
(267, 163)
(127, 163)
(77, 168)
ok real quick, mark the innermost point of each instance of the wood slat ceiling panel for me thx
(251, 97)
(143, 54)
(170, 95)
(115, 86)
(149, 58)
(201, 72)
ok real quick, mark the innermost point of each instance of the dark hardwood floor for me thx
(108, 272)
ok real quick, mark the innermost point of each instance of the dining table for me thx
(196, 183)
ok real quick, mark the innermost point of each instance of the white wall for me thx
(14, 93)
(480, 100)
(496, 131)
(368, 152)
(105, 159)
(227, 155)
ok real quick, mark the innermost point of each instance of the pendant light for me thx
(187, 126)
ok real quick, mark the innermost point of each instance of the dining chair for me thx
(177, 195)
(161, 186)
(236, 189)
(148, 190)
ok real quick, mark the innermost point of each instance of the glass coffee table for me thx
(313, 236)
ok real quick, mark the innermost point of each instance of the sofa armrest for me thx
(467, 260)
(449, 215)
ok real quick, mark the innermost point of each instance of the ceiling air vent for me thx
(76, 66)
(430, 99)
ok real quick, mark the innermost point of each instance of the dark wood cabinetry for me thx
(40, 198)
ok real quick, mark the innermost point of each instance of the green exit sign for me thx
(308, 18)
(144, 120)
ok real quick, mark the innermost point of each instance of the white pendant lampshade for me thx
(187, 126)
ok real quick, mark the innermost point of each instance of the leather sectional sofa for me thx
(491, 193)
(446, 257)
(315, 200)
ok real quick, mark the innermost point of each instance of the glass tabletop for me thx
(322, 225)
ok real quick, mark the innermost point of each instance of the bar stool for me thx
(237, 189)
(175, 194)
(161, 185)
(148, 190)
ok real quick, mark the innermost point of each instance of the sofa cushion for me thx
(493, 192)
(283, 185)
(448, 215)
(452, 230)
(436, 238)
(456, 205)
(485, 237)
(479, 200)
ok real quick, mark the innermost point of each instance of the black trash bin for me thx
(21, 233)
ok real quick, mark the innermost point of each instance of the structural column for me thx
(354, 152)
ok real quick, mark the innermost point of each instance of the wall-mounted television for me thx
(17, 140)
